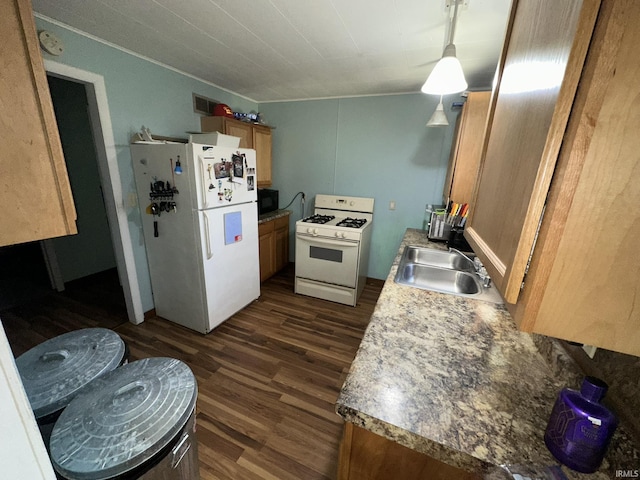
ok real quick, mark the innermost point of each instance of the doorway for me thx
(108, 170)
(90, 251)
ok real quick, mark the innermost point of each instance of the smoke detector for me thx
(50, 43)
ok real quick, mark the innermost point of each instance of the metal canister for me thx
(56, 370)
(137, 421)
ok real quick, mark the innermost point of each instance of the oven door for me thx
(327, 260)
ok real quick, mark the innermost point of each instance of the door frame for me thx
(109, 171)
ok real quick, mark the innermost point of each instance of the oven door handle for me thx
(328, 241)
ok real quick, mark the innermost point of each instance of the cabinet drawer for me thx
(282, 222)
(266, 227)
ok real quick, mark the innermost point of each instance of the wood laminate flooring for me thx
(268, 377)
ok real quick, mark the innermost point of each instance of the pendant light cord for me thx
(452, 31)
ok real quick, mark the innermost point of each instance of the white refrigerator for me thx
(200, 229)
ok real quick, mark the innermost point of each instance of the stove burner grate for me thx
(318, 218)
(352, 222)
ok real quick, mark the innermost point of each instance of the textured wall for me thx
(139, 93)
(366, 147)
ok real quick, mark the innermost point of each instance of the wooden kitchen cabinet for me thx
(281, 242)
(537, 79)
(273, 240)
(365, 455)
(584, 275)
(262, 145)
(266, 245)
(36, 193)
(253, 136)
(464, 160)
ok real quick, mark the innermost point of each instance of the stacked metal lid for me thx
(122, 419)
(54, 371)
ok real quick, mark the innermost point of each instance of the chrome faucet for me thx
(480, 270)
(484, 276)
(451, 249)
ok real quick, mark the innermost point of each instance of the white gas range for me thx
(332, 248)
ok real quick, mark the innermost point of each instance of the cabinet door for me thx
(36, 193)
(239, 129)
(540, 68)
(467, 149)
(584, 277)
(266, 245)
(262, 145)
(366, 455)
(281, 243)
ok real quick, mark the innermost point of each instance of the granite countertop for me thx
(267, 217)
(453, 378)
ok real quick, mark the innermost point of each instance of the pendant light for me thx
(438, 118)
(447, 76)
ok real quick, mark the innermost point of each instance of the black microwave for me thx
(267, 200)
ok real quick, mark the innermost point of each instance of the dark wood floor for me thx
(268, 378)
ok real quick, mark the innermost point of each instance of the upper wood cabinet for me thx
(238, 129)
(36, 193)
(466, 151)
(584, 274)
(262, 144)
(539, 70)
(253, 136)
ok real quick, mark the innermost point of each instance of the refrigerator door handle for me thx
(203, 183)
(207, 236)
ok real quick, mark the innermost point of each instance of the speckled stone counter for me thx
(267, 217)
(453, 378)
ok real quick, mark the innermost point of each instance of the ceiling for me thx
(277, 50)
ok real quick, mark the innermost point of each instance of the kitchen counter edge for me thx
(267, 217)
(452, 377)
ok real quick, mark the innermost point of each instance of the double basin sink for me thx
(443, 272)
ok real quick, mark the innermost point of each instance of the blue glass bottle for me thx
(580, 427)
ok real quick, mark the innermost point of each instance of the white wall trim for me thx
(110, 178)
(135, 54)
(51, 262)
(23, 454)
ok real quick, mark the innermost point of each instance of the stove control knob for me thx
(315, 231)
(309, 230)
(344, 235)
(352, 203)
(337, 234)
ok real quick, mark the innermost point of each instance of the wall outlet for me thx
(392, 205)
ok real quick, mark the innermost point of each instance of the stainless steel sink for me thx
(437, 258)
(443, 272)
(438, 279)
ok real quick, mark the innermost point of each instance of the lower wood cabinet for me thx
(365, 455)
(273, 237)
